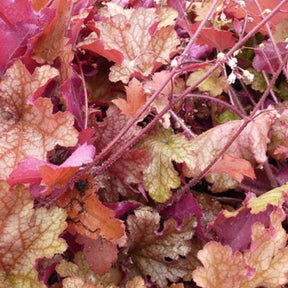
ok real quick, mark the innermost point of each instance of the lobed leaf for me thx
(132, 33)
(27, 235)
(27, 128)
(164, 147)
(150, 248)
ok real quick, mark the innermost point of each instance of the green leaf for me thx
(164, 147)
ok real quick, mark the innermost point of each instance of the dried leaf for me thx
(157, 253)
(89, 217)
(27, 235)
(136, 282)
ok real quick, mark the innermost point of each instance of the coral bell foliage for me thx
(144, 143)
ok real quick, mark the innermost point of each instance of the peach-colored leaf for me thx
(100, 253)
(175, 86)
(250, 145)
(136, 282)
(135, 98)
(47, 45)
(151, 249)
(268, 255)
(76, 282)
(221, 268)
(80, 269)
(27, 128)
(128, 32)
(27, 235)
(234, 167)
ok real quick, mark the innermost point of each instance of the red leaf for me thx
(100, 253)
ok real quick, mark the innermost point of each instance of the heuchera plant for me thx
(143, 143)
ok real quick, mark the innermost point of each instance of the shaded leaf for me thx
(47, 45)
(214, 84)
(250, 145)
(27, 235)
(100, 253)
(157, 253)
(80, 272)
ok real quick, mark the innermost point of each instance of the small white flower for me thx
(174, 63)
(266, 11)
(221, 56)
(231, 78)
(241, 3)
(286, 41)
(236, 52)
(232, 62)
(248, 75)
(223, 17)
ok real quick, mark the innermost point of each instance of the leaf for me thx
(50, 176)
(266, 58)
(151, 249)
(46, 46)
(234, 167)
(251, 145)
(259, 83)
(89, 217)
(251, 10)
(135, 98)
(80, 270)
(214, 84)
(30, 129)
(27, 235)
(164, 147)
(281, 33)
(279, 134)
(129, 168)
(175, 86)
(268, 255)
(221, 268)
(136, 282)
(219, 39)
(141, 48)
(100, 253)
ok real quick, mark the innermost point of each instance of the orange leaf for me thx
(135, 98)
(57, 177)
(26, 235)
(30, 129)
(237, 168)
(89, 217)
(51, 40)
